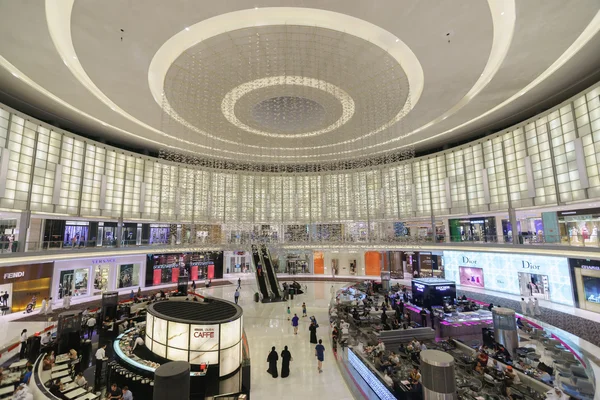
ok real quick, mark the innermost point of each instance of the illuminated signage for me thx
(592, 267)
(442, 288)
(419, 287)
(204, 333)
(104, 261)
(13, 275)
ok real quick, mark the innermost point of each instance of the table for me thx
(74, 393)
(61, 358)
(66, 379)
(59, 374)
(57, 368)
(19, 364)
(10, 379)
(69, 386)
(89, 396)
(6, 390)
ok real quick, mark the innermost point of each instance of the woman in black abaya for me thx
(272, 360)
(313, 332)
(286, 357)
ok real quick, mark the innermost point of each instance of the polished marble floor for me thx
(266, 325)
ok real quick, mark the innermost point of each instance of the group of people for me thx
(531, 307)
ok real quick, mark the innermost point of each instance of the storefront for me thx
(521, 275)
(236, 261)
(76, 233)
(167, 268)
(579, 227)
(91, 276)
(586, 275)
(159, 233)
(22, 283)
(481, 229)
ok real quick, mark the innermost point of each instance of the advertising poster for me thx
(470, 276)
(504, 273)
(591, 287)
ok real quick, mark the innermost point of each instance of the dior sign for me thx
(528, 265)
(467, 260)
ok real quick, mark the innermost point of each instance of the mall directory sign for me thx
(505, 273)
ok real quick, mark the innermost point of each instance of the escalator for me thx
(260, 275)
(274, 283)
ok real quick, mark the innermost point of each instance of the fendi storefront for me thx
(19, 284)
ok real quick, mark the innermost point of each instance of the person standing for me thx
(289, 312)
(194, 286)
(5, 298)
(23, 344)
(239, 283)
(303, 310)
(295, 323)
(320, 354)
(313, 332)
(127, 395)
(272, 360)
(536, 307)
(236, 296)
(286, 357)
(100, 357)
(523, 306)
(423, 315)
(139, 292)
(90, 324)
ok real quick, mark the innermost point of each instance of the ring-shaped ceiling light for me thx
(58, 15)
(221, 24)
(231, 98)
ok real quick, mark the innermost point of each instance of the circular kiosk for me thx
(208, 335)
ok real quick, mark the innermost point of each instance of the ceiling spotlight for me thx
(397, 40)
(256, 8)
(502, 13)
(187, 28)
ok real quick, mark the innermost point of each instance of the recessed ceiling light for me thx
(187, 28)
(502, 13)
(15, 75)
(397, 40)
(256, 8)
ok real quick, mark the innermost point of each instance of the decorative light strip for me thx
(231, 98)
(369, 377)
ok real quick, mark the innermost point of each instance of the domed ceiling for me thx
(275, 83)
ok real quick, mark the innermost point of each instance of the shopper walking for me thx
(272, 360)
(523, 306)
(239, 283)
(289, 312)
(23, 351)
(286, 357)
(531, 307)
(320, 354)
(194, 286)
(423, 315)
(43, 307)
(536, 307)
(303, 310)
(313, 332)
(236, 296)
(295, 323)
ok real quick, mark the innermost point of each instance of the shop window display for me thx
(470, 276)
(73, 282)
(101, 278)
(534, 285)
(591, 287)
(129, 275)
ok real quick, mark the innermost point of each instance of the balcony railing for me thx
(592, 242)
